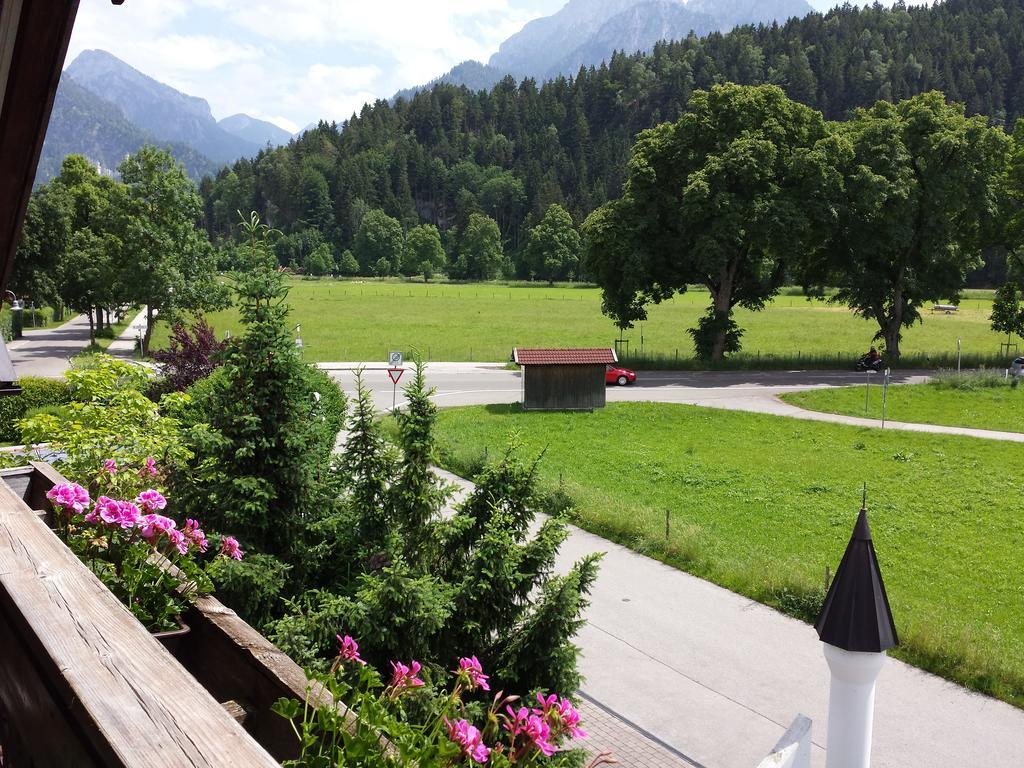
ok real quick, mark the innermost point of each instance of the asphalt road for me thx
(486, 383)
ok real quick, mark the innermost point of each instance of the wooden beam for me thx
(33, 43)
(81, 681)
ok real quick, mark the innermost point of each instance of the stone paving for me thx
(630, 746)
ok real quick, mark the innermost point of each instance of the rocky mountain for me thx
(637, 28)
(158, 109)
(85, 124)
(255, 131)
(733, 13)
(587, 32)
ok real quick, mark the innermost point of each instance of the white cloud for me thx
(298, 60)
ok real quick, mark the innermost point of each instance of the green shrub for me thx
(251, 586)
(36, 393)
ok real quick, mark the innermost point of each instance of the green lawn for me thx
(353, 320)
(762, 505)
(1000, 408)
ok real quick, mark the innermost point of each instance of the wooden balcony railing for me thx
(82, 683)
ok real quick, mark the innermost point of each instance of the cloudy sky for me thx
(296, 61)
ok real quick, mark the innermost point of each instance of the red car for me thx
(620, 376)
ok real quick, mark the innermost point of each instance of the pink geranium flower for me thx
(403, 677)
(472, 673)
(561, 715)
(106, 510)
(231, 548)
(151, 526)
(177, 538)
(195, 535)
(128, 514)
(69, 497)
(149, 470)
(468, 736)
(523, 722)
(151, 501)
(348, 650)
(110, 466)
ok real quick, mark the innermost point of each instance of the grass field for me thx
(762, 505)
(999, 408)
(351, 320)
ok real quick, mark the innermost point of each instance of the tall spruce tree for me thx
(258, 468)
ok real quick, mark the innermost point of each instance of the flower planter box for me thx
(83, 683)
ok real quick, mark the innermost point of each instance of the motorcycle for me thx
(865, 363)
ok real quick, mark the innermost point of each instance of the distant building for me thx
(563, 379)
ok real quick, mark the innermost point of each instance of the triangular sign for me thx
(395, 374)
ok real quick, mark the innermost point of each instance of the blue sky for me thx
(296, 61)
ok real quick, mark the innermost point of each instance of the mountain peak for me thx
(159, 109)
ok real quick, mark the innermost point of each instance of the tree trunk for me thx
(893, 327)
(92, 327)
(721, 294)
(148, 333)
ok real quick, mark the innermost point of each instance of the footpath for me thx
(711, 678)
(48, 352)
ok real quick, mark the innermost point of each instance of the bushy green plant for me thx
(35, 393)
(260, 467)
(108, 419)
(418, 580)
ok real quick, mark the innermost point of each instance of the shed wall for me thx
(563, 387)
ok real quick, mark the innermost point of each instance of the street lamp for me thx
(17, 321)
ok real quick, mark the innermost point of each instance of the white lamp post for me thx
(857, 628)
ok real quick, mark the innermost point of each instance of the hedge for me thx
(36, 393)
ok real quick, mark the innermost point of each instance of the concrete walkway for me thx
(125, 344)
(719, 678)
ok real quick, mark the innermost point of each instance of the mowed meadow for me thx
(763, 504)
(363, 320)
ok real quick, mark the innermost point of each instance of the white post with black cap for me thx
(857, 628)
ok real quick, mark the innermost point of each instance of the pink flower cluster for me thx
(141, 515)
(523, 722)
(70, 497)
(151, 501)
(348, 650)
(472, 674)
(195, 535)
(468, 736)
(229, 546)
(403, 677)
(561, 715)
(116, 514)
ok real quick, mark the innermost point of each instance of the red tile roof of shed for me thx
(564, 356)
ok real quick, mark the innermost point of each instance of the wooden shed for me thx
(563, 379)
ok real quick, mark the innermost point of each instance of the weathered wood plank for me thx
(77, 663)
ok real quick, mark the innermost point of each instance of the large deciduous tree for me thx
(424, 253)
(553, 246)
(88, 207)
(379, 237)
(481, 256)
(168, 264)
(718, 198)
(919, 195)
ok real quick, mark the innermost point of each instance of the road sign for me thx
(395, 374)
(395, 359)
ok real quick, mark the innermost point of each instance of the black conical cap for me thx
(856, 614)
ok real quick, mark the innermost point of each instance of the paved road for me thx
(47, 352)
(757, 391)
